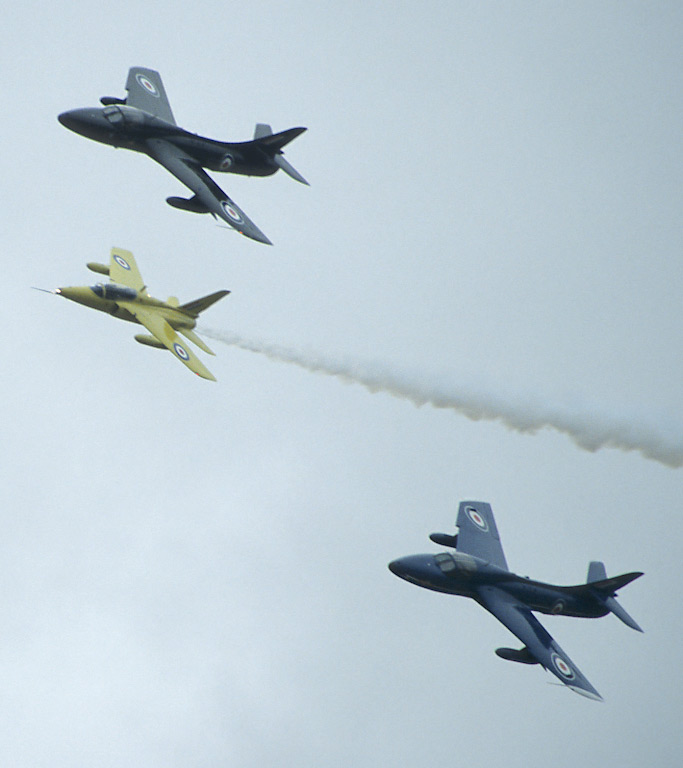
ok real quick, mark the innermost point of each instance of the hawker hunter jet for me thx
(143, 121)
(126, 297)
(477, 569)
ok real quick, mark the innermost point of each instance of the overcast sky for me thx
(194, 574)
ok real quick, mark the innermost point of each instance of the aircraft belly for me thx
(123, 314)
(551, 601)
(211, 154)
(251, 170)
(177, 319)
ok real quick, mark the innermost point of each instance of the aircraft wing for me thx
(209, 197)
(522, 623)
(477, 533)
(157, 326)
(123, 269)
(146, 92)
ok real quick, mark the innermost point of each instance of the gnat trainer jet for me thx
(144, 122)
(126, 297)
(477, 569)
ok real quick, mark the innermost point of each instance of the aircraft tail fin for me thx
(262, 130)
(606, 589)
(194, 308)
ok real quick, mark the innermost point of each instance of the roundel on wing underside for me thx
(562, 667)
(147, 84)
(121, 261)
(181, 351)
(231, 211)
(226, 162)
(477, 519)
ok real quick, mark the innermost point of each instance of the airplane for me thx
(144, 122)
(478, 569)
(126, 297)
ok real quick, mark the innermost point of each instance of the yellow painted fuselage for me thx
(88, 297)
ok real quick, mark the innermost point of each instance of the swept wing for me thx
(157, 326)
(539, 643)
(477, 533)
(209, 197)
(146, 92)
(123, 269)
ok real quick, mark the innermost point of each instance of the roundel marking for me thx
(476, 518)
(232, 213)
(121, 261)
(562, 667)
(557, 608)
(147, 84)
(180, 351)
(226, 162)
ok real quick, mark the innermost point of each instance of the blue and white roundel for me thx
(181, 351)
(562, 667)
(121, 261)
(231, 212)
(477, 519)
(147, 84)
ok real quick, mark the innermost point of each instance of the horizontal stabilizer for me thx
(606, 588)
(193, 204)
(192, 336)
(289, 169)
(193, 308)
(275, 141)
(620, 613)
(610, 586)
(522, 656)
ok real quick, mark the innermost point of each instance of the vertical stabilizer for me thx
(596, 571)
(261, 130)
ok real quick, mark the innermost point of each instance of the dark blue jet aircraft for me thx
(477, 569)
(144, 122)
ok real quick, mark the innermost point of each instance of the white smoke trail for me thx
(590, 431)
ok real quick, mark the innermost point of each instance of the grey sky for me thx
(195, 574)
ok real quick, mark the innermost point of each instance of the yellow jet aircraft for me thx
(126, 297)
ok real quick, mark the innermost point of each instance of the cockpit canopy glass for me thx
(114, 292)
(117, 115)
(445, 561)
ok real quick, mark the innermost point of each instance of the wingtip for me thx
(593, 695)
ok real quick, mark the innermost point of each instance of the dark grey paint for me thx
(145, 123)
(478, 569)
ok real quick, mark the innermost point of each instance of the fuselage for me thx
(107, 298)
(130, 128)
(457, 573)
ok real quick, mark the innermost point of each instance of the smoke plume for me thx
(589, 430)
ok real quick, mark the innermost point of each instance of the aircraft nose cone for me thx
(87, 122)
(397, 567)
(79, 294)
(68, 119)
